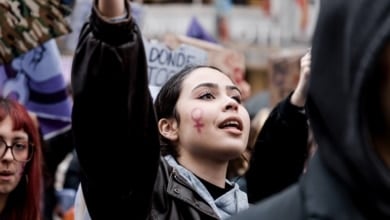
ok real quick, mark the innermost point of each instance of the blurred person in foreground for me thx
(349, 110)
(20, 163)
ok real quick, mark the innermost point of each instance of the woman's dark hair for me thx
(165, 103)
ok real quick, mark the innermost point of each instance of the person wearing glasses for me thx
(20, 163)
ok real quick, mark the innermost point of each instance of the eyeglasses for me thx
(21, 151)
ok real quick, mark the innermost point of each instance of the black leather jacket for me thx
(115, 131)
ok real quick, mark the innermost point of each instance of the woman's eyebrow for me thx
(209, 85)
(231, 88)
(215, 86)
(16, 138)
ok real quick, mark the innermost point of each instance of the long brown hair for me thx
(24, 203)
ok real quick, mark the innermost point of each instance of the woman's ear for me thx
(168, 128)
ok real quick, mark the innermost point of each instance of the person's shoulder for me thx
(285, 205)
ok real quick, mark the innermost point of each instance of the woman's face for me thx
(213, 122)
(11, 170)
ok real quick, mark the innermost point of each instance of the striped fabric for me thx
(36, 80)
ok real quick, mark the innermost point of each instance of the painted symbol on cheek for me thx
(196, 116)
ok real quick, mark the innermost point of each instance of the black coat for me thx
(347, 179)
(280, 152)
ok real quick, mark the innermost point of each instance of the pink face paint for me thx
(196, 116)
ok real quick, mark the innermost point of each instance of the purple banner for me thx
(36, 80)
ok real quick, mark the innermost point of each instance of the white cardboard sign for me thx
(163, 62)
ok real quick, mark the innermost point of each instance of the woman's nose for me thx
(231, 105)
(7, 154)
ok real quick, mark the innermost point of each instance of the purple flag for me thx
(195, 30)
(36, 80)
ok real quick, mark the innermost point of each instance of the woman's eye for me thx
(20, 146)
(206, 96)
(238, 99)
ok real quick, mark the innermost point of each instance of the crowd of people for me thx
(194, 152)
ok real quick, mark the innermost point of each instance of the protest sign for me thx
(230, 61)
(35, 79)
(164, 61)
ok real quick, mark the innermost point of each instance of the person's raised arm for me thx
(111, 8)
(298, 98)
(113, 119)
(280, 150)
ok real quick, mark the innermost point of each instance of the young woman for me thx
(145, 160)
(20, 163)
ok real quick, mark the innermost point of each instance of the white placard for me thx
(164, 62)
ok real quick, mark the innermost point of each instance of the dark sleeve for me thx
(55, 150)
(279, 153)
(113, 119)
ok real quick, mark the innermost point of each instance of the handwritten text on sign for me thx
(164, 62)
